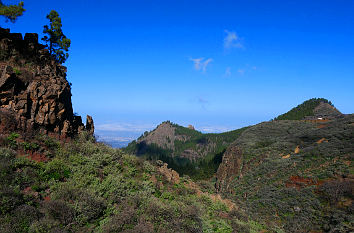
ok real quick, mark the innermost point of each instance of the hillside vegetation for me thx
(305, 109)
(294, 174)
(83, 186)
(191, 153)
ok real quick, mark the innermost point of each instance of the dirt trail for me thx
(215, 197)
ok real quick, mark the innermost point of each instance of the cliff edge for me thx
(34, 93)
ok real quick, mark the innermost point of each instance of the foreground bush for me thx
(85, 186)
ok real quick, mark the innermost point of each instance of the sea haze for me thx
(116, 139)
(119, 134)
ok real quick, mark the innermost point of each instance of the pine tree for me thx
(11, 12)
(57, 42)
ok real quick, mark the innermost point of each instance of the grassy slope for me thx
(302, 110)
(201, 169)
(90, 187)
(310, 190)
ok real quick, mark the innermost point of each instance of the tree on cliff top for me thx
(57, 42)
(11, 12)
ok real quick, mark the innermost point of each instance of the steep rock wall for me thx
(34, 92)
(229, 169)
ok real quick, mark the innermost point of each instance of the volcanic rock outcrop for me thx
(34, 92)
(229, 168)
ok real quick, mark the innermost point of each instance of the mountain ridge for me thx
(184, 148)
(179, 146)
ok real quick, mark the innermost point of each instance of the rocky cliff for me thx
(34, 92)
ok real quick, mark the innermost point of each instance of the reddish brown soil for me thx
(33, 155)
(321, 126)
(299, 182)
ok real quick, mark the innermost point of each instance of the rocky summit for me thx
(34, 92)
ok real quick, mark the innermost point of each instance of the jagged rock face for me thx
(90, 127)
(229, 168)
(33, 87)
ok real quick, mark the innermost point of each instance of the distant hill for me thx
(185, 150)
(312, 108)
(198, 155)
(293, 173)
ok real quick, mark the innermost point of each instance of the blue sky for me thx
(218, 65)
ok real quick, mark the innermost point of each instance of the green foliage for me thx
(11, 12)
(90, 187)
(57, 42)
(30, 146)
(302, 110)
(51, 143)
(13, 136)
(305, 191)
(56, 169)
(11, 140)
(17, 71)
(211, 146)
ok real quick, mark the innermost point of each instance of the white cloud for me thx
(246, 69)
(228, 72)
(206, 63)
(197, 62)
(200, 64)
(231, 40)
(241, 71)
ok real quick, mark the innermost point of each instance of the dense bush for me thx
(310, 189)
(89, 187)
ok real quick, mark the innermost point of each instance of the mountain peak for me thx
(312, 108)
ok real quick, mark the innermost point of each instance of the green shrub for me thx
(56, 169)
(23, 217)
(45, 225)
(11, 140)
(60, 211)
(30, 146)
